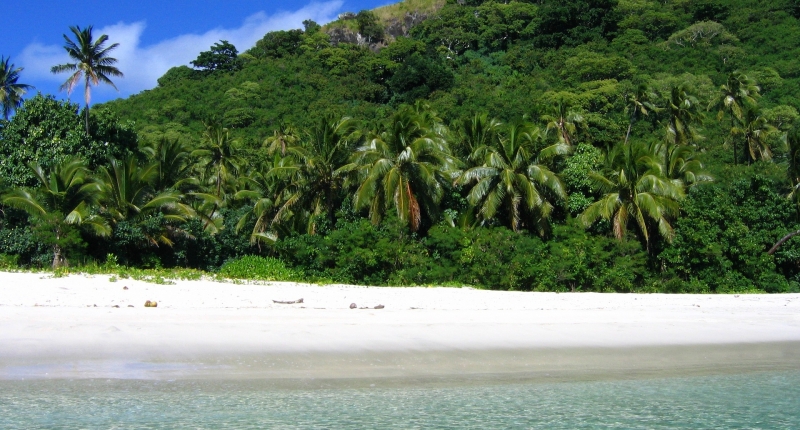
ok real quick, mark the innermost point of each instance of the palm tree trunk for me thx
(86, 97)
(331, 210)
(628, 134)
(733, 142)
(782, 241)
(58, 257)
(219, 183)
(630, 126)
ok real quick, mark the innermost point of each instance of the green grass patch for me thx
(9, 262)
(258, 268)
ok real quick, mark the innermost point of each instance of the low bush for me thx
(8, 262)
(258, 268)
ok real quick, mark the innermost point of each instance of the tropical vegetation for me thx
(593, 145)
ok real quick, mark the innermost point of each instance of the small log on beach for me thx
(291, 302)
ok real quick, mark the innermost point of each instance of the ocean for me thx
(756, 400)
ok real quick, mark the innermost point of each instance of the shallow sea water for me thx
(761, 400)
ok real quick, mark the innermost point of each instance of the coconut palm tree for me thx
(512, 180)
(173, 163)
(283, 137)
(635, 190)
(405, 166)
(756, 132)
(263, 190)
(682, 115)
(220, 164)
(475, 133)
(680, 162)
(737, 94)
(66, 197)
(92, 63)
(218, 155)
(564, 119)
(11, 91)
(639, 101)
(129, 195)
(315, 184)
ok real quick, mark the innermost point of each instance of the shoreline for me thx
(423, 368)
(50, 328)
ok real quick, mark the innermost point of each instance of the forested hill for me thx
(625, 145)
(505, 58)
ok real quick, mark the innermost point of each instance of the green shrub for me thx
(258, 268)
(8, 262)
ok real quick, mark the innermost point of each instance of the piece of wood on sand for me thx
(287, 302)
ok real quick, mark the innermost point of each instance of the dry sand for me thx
(70, 327)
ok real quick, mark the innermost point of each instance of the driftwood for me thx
(782, 241)
(291, 302)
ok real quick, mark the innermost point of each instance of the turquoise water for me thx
(766, 400)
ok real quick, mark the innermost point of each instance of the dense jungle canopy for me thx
(587, 145)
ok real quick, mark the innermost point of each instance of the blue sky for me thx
(154, 35)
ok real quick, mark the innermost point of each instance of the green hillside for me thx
(590, 145)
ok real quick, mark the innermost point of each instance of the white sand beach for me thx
(86, 326)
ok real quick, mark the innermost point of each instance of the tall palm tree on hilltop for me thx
(92, 63)
(10, 91)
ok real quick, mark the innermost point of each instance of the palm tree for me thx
(261, 189)
(680, 162)
(738, 93)
(640, 101)
(173, 164)
(128, 195)
(682, 114)
(218, 155)
(405, 165)
(564, 119)
(92, 63)
(11, 92)
(283, 137)
(635, 190)
(66, 197)
(315, 183)
(475, 133)
(756, 131)
(512, 180)
(218, 160)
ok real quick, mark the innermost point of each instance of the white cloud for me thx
(143, 65)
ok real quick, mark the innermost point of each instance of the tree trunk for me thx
(628, 134)
(733, 142)
(782, 241)
(630, 125)
(58, 257)
(86, 97)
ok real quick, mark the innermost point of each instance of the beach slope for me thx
(89, 327)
